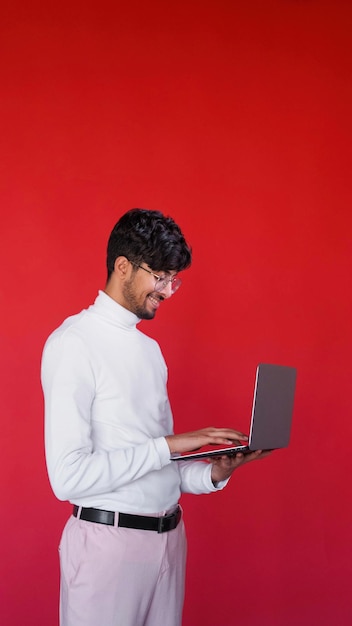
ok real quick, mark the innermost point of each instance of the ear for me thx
(122, 267)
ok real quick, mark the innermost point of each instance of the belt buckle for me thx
(161, 523)
(169, 522)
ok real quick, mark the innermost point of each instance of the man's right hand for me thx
(188, 442)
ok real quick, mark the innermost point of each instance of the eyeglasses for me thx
(161, 282)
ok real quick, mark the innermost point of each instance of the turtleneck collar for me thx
(105, 306)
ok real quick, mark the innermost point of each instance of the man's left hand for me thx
(223, 466)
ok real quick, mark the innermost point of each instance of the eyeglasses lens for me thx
(174, 282)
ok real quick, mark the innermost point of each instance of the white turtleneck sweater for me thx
(107, 414)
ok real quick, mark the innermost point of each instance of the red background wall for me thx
(235, 118)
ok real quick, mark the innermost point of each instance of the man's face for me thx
(140, 296)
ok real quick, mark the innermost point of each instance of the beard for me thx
(139, 309)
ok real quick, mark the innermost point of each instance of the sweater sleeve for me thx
(75, 469)
(196, 478)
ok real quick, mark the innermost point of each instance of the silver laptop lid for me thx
(272, 407)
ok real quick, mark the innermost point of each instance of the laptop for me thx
(271, 414)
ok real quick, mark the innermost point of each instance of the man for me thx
(109, 438)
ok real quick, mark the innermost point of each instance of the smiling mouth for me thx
(155, 300)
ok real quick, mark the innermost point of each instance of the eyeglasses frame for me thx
(160, 280)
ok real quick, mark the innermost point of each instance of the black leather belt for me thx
(141, 522)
